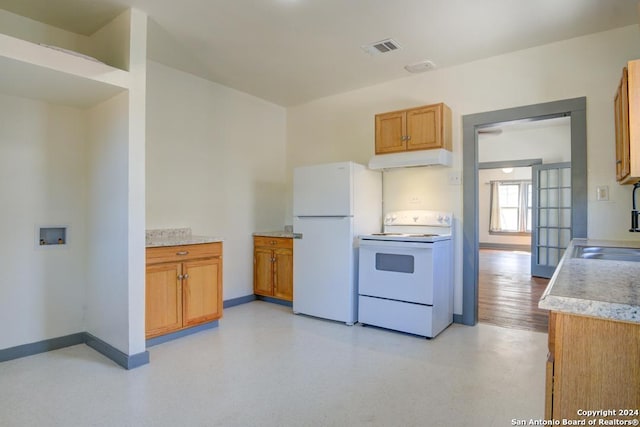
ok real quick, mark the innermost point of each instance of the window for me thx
(510, 207)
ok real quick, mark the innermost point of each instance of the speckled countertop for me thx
(285, 234)
(175, 237)
(595, 287)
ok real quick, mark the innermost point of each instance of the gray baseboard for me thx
(458, 318)
(505, 247)
(237, 301)
(181, 333)
(274, 300)
(41, 346)
(122, 359)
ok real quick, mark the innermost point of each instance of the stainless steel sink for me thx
(607, 253)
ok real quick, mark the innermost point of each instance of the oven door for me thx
(400, 271)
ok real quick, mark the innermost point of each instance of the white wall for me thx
(42, 183)
(137, 61)
(84, 169)
(341, 127)
(115, 297)
(37, 32)
(215, 163)
(108, 260)
(550, 143)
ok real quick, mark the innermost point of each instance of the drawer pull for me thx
(182, 253)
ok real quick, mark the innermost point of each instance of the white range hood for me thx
(407, 159)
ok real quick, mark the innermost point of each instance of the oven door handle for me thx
(382, 244)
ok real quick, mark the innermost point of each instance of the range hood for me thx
(408, 159)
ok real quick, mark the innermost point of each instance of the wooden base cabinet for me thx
(183, 287)
(273, 267)
(627, 123)
(420, 128)
(593, 364)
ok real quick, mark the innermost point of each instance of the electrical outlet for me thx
(415, 200)
(455, 178)
(602, 193)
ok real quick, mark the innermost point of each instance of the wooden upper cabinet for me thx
(390, 132)
(420, 128)
(423, 128)
(627, 124)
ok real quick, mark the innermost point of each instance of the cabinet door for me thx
(424, 128)
(202, 291)
(621, 103)
(283, 274)
(163, 311)
(263, 271)
(596, 365)
(390, 132)
(548, 393)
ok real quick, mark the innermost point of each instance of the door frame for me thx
(576, 108)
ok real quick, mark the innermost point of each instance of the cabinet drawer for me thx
(273, 242)
(183, 252)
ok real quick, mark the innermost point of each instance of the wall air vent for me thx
(383, 46)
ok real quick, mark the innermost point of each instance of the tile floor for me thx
(264, 366)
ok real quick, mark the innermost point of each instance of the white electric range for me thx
(406, 273)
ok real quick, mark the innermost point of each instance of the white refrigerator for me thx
(333, 204)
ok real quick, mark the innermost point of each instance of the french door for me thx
(551, 216)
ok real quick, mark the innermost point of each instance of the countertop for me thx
(284, 234)
(176, 237)
(595, 287)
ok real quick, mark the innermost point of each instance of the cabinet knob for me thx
(273, 242)
(619, 162)
(182, 253)
(180, 276)
(186, 276)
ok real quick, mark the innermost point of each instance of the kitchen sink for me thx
(607, 253)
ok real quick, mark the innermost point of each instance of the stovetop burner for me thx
(413, 226)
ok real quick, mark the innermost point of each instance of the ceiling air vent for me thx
(383, 46)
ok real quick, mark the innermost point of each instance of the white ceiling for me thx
(293, 51)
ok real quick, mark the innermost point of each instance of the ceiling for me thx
(293, 51)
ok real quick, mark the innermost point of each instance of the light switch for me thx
(454, 178)
(602, 193)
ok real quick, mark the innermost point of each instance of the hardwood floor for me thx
(508, 295)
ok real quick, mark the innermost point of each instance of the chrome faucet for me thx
(635, 215)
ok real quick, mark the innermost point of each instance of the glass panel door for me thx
(551, 231)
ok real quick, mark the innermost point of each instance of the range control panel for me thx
(419, 217)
